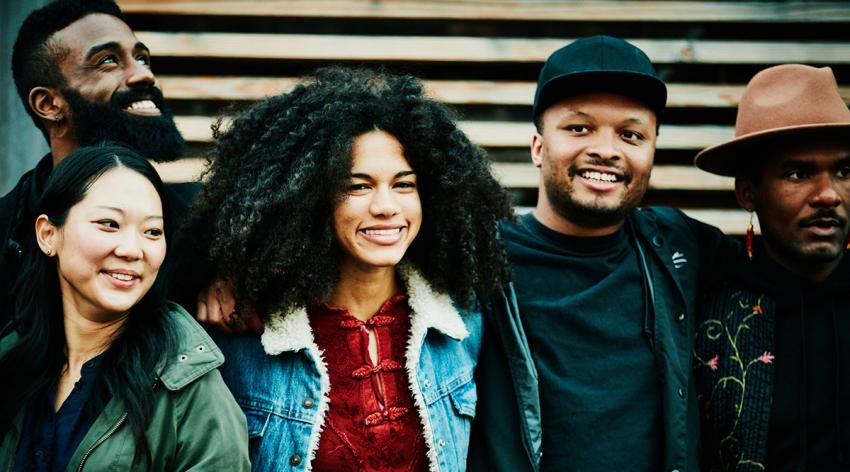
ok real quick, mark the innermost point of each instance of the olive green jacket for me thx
(196, 425)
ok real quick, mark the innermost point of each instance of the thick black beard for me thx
(154, 137)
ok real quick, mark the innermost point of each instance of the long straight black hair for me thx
(36, 361)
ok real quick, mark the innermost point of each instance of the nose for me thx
(384, 202)
(604, 145)
(129, 247)
(825, 194)
(140, 74)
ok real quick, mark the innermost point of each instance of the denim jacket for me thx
(281, 381)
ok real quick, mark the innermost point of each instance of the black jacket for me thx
(17, 233)
(736, 357)
(677, 255)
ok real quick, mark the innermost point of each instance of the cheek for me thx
(155, 254)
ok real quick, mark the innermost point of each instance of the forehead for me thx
(601, 106)
(92, 30)
(125, 189)
(812, 152)
(377, 150)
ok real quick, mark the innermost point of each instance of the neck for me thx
(86, 338)
(813, 272)
(554, 221)
(362, 290)
(61, 144)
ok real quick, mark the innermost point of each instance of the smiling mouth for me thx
(600, 176)
(144, 107)
(382, 232)
(121, 276)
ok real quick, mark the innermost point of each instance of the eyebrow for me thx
(116, 209)
(112, 45)
(403, 173)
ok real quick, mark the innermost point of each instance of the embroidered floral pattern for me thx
(725, 361)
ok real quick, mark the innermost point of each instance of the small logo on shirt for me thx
(679, 260)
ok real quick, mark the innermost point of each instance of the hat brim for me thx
(643, 87)
(725, 158)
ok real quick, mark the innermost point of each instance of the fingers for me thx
(253, 322)
(217, 309)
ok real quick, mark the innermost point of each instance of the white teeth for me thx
(142, 105)
(599, 176)
(124, 277)
(382, 232)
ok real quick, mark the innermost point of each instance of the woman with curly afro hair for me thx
(359, 222)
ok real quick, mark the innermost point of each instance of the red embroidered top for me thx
(372, 423)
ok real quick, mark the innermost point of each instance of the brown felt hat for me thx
(791, 100)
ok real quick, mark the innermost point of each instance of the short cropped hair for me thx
(35, 58)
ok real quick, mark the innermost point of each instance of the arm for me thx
(212, 433)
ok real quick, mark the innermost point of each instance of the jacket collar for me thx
(291, 331)
(196, 353)
(651, 237)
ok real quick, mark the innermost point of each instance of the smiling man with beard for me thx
(84, 78)
(586, 364)
(775, 393)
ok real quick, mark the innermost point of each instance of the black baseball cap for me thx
(599, 64)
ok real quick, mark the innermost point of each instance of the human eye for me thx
(843, 172)
(357, 187)
(107, 224)
(405, 185)
(154, 233)
(144, 59)
(577, 128)
(795, 174)
(108, 59)
(630, 135)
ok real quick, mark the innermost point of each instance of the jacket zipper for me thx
(106, 436)
(101, 441)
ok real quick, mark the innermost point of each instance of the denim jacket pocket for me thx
(464, 399)
(258, 421)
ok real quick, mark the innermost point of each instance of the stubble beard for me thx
(597, 213)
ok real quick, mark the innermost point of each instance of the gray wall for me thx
(21, 144)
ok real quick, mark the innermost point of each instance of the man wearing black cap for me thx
(773, 344)
(599, 350)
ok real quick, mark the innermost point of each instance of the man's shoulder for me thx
(671, 221)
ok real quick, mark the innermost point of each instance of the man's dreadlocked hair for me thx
(35, 58)
(264, 220)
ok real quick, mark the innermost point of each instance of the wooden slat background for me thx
(483, 56)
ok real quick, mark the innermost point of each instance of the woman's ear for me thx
(47, 235)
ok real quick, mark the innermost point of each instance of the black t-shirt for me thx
(583, 308)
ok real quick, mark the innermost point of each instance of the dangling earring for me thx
(750, 238)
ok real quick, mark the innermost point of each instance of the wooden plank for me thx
(510, 175)
(664, 177)
(507, 10)
(456, 92)
(473, 49)
(499, 134)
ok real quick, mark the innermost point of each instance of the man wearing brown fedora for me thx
(773, 347)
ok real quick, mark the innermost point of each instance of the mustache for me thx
(120, 99)
(830, 215)
(628, 176)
